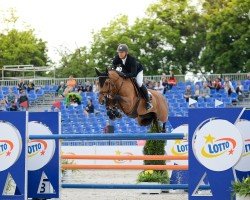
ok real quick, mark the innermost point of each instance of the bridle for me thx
(112, 91)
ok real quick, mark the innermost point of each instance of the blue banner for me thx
(13, 137)
(43, 156)
(217, 147)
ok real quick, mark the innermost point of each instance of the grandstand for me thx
(76, 122)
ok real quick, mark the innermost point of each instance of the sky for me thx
(68, 24)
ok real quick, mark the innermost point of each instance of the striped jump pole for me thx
(125, 136)
(123, 157)
(125, 167)
(132, 186)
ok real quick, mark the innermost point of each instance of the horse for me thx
(116, 91)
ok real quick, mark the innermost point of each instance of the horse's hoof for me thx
(119, 116)
(112, 117)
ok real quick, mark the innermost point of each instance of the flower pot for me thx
(238, 197)
(149, 191)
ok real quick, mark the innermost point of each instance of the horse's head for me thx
(107, 84)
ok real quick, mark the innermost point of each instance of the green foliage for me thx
(242, 188)
(154, 147)
(72, 95)
(227, 37)
(153, 176)
(79, 64)
(210, 37)
(106, 40)
(67, 162)
(22, 48)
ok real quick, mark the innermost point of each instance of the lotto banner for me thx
(13, 172)
(178, 148)
(43, 156)
(217, 146)
(242, 169)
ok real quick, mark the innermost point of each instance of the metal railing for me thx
(42, 81)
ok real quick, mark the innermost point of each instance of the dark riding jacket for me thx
(131, 67)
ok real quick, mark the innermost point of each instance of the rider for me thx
(129, 67)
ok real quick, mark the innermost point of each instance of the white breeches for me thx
(139, 78)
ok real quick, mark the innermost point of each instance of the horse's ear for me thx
(98, 72)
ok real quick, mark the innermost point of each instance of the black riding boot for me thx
(144, 92)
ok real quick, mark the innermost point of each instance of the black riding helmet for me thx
(122, 47)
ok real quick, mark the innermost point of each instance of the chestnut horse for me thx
(122, 93)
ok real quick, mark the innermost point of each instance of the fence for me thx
(42, 81)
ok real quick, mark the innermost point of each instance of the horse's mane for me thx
(104, 76)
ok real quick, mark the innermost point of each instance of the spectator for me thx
(11, 97)
(89, 108)
(13, 106)
(188, 93)
(21, 85)
(199, 78)
(228, 89)
(109, 128)
(88, 87)
(60, 89)
(73, 99)
(159, 87)
(2, 105)
(210, 83)
(11, 100)
(217, 84)
(23, 101)
(197, 92)
(31, 86)
(147, 82)
(205, 91)
(168, 83)
(96, 86)
(80, 88)
(172, 80)
(227, 81)
(150, 85)
(71, 83)
(239, 91)
(164, 82)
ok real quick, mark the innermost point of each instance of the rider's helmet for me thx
(122, 48)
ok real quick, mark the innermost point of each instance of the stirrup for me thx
(148, 105)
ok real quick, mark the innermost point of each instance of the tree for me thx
(79, 64)
(175, 34)
(107, 39)
(172, 34)
(21, 47)
(182, 33)
(227, 42)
